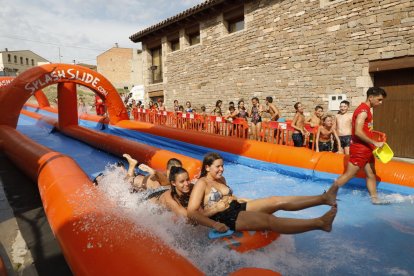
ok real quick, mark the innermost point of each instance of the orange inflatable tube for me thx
(394, 172)
(155, 158)
(83, 221)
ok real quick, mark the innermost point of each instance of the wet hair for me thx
(208, 160)
(269, 99)
(345, 102)
(255, 98)
(203, 108)
(175, 101)
(318, 107)
(296, 105)
(376, 91)
(231, 103)
(218, 102)
(180, 199)
(174, 162)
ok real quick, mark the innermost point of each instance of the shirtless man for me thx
(344, 126)
(272, 109)
(362, 143)
(298, 123)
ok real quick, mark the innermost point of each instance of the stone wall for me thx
(121, 66)
(299, 50)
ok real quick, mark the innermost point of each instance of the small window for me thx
(175, 45)
(156, 67)
(21, 60)
(193, 34)
(27, 61)
(15, 59)
(236, 26)
(32, 62)
(174, 41)
(194, 39)
(9, 58)
(234, 19)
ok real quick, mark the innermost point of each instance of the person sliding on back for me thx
(362, 143)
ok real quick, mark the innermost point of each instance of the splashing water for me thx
(312, 253)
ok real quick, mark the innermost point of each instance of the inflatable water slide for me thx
(125, 250)
(128, 249)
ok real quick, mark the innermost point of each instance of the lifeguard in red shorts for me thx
(362, 143)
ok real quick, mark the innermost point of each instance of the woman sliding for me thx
(211, 190)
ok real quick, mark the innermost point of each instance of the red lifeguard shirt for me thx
(367, 127)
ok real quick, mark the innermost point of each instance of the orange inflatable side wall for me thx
(95, 238)
(253, 149)
(49, 120)
(394, 172)
(154, 157)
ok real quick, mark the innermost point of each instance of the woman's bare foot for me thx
(147, 169)
(330, 195)
(131, 161)
(327, 219)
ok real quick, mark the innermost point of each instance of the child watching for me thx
(344, 126)
(298, 123)
(325, 134)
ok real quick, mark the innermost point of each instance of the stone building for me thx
(310, 51)
(121, 66)
(13, 63)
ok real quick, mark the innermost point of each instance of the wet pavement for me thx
(27, 245)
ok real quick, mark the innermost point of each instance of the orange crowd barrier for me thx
(272, 132)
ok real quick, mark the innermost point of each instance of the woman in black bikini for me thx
(211, 189)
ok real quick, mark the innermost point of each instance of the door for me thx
(395, 116)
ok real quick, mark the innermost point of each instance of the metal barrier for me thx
(272, 132)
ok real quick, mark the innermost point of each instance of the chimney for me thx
(7, 50)
(116, 45)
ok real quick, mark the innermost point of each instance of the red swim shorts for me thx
(360, 155)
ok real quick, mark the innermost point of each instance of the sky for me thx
(79, 30)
